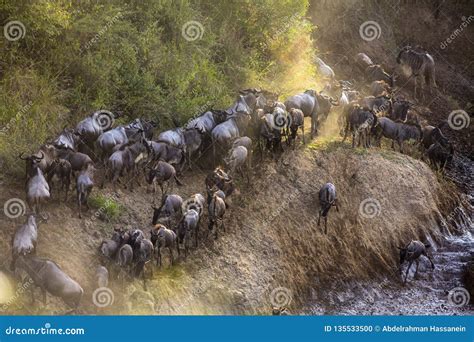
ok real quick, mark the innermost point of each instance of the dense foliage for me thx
(132, 57)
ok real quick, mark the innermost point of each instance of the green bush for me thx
(107, 208)
(131, 57)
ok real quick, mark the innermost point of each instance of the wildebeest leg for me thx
(353, 139)
(325, 224)
(79, 202)
(400, 143)
(417, 262)
(319, 217)
(302, 132)
(430, 259)
(171, 254)
(408, 269)
(393, 144)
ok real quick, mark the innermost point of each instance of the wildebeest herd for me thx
(256, 122)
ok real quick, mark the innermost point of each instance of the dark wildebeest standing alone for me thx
(411, 253)
(420, 65)
(48, 276)
(327, 199)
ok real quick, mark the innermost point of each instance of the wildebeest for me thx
(124, 258)
(363, 61)
(84, 185)
(224, 133)
(271, 133)
(296, 121)
(124, 161)
(25, 239)
(108, 248)
(378, 88)
(432, 134)
(169, 208)
(187, 228)
(79, 161)
(245, 142)
(49, 277)
(170, 154)
(206, 122)
(221, 180)
(37, 190)
(325, 104)
(162, 237)
(308, 104)
(196, 202)
(162, 173)
(440, 155)
(327, 199)
(325, 69)
(399, 110)
(216, 213)
(108, 140)
(376, 72)
(94, 125)
(418, 64)
(102, 276)
(142, 254)
(397, 131)
(379, 105)
(188, 139)
(141, 127)
(61, 171)
(238, 160)
(360, 122)
(68, 138)
(43, 159)
(411, 253)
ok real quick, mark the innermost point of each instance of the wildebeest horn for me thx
(39, 158)
(21, 156)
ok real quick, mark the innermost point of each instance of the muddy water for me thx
(430, 292)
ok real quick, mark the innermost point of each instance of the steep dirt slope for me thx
(272, 249)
